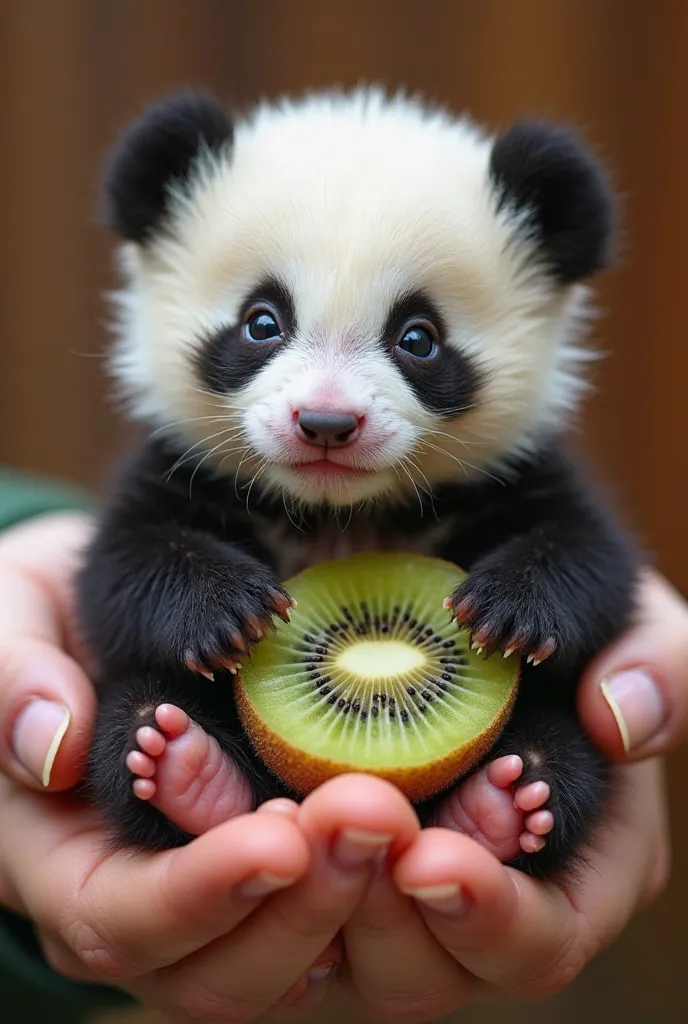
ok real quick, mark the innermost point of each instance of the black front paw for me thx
(223, 614)
(512, 608)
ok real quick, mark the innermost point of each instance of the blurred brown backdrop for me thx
(74, 71)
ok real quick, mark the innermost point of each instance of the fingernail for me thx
(356, 847)
(263, 885)
(446, 899)
(321, 973)
(637, 703)
(38, 734)
(278, 806)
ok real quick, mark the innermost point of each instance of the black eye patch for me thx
(444, 381)
(229, 359)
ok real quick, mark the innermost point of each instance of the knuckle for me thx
(99, 955)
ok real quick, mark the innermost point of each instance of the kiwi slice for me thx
(370, 675)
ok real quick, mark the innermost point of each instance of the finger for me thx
(49, 549)
(46, 701)
(62, 959)
(395, 966)
(289, 808)
(310, 990)
(9, 897)
(124, 915)
(349, 823)
(526, 937)
(633, 699)
(482, 914)
(506, 930)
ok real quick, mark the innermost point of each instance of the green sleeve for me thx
(23, 496)
(31, 992)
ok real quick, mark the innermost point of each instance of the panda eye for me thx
(419, 341)
(262, 325)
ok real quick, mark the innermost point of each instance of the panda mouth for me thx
(329, 467)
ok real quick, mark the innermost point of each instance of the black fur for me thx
(228, 360)
(544, 169)
(546, 734)
(174, 567)
(181, 573)
(445, 383)
(547, 560)
(157, 151)
(128, 701)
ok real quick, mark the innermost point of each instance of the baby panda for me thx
(349, 322)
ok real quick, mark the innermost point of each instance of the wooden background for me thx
(74, 71)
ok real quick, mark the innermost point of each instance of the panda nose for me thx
(333, 429)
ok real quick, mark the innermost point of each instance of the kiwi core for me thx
(380, 659)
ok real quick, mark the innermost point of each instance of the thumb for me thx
(46, 713)
(633, 698)
(47, 703)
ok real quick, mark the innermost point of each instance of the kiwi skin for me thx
(303, 772)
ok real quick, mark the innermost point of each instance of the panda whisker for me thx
(233, 451)
(457, 440)
(191, 452)
(261, 469)
(248, 452)
(207, 455)
(454, 410)
(463, 463)
(218, 417)
(402, 463)
(217, 398)
(191, 419)
(427, 489)
(288, 514)
(347, 524)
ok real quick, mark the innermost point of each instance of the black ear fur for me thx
(154, 152)
(544, 168)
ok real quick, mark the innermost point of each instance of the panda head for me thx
(351, 295)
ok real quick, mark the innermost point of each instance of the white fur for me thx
(351, 200)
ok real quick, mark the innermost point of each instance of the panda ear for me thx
(155, 152)
(545, 170)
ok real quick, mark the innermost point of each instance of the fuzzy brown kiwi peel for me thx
(372, 676)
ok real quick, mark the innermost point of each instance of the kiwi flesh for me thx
(372, 676)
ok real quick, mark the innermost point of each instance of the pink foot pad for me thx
(502, 816)
(183, 772)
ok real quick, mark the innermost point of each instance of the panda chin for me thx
(325, 483)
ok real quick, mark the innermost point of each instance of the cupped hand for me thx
(449, 922)
(47, 701)
(234, 924)
(225, 928)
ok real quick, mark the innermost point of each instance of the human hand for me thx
(450, 922)
(225, 928)
(47, 701)
(229, 926)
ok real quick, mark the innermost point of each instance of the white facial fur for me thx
(350, 201)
